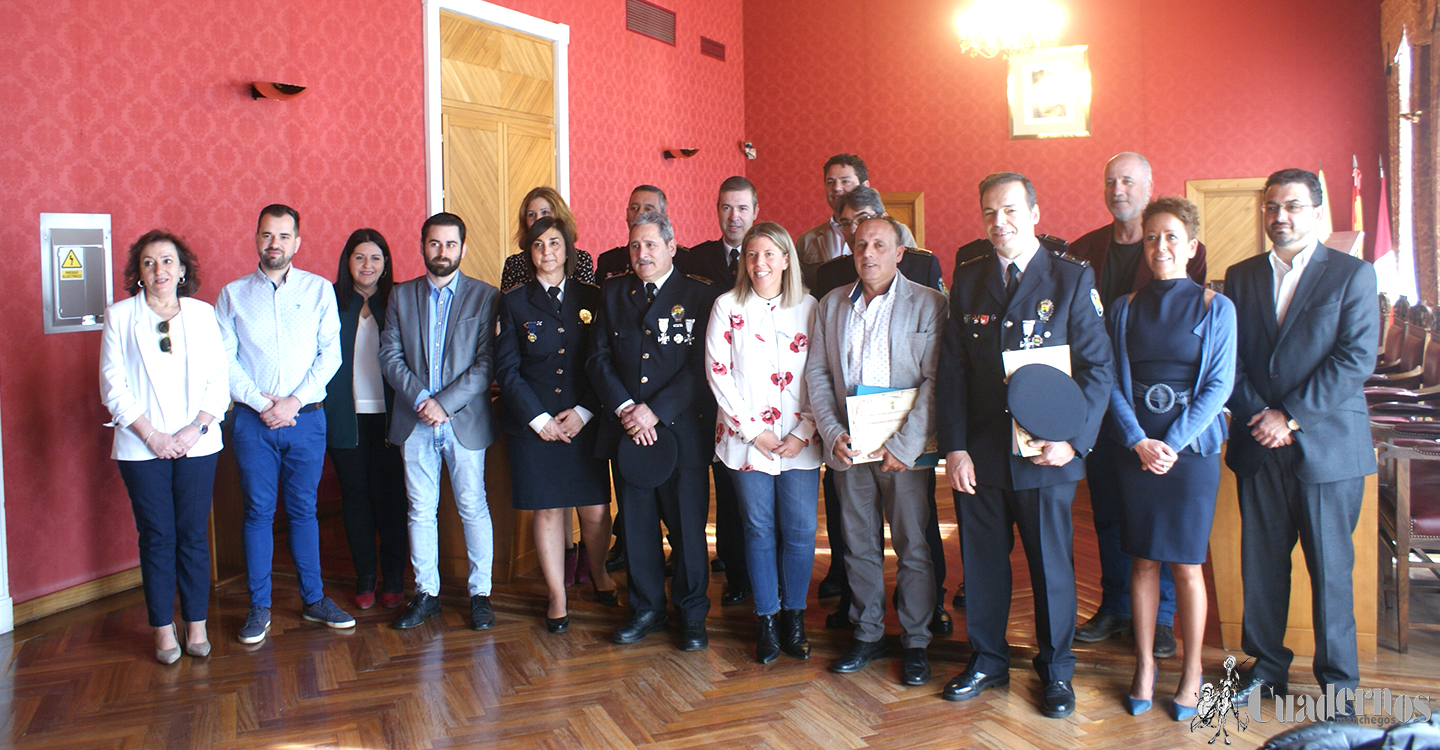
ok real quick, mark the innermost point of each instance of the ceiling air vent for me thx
(712, 48)
(651, 20)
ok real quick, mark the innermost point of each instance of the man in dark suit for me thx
(1115, 254)
(1299, 432)
(436, 352)
(718, 260)
(616, 260)
(1020, 297)
(652, 390)
(921, 267)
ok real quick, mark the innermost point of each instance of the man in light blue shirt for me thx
(282, 337)
(436, 352)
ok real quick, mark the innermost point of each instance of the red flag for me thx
(1357, 215)
(1384, 247)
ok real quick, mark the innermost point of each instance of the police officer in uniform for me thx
(1019, 297)
(646, 363)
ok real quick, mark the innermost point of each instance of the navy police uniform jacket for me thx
(917, 265)
(628, 361)
(970, 396)
(540, 354)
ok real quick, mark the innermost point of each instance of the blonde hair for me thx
(558, 208)
(792, 288)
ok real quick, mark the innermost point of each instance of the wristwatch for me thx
(201, 426)
(1290, 422)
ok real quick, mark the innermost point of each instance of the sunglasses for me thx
(164, 329)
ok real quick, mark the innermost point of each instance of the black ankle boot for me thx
(792, 633)
(767, 644)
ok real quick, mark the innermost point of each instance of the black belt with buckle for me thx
(1160, 398)
(312, 406)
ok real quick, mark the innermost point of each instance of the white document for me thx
(1057, 357)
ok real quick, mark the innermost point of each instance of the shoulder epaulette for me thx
(618, 274)
(585, 283)
(975, 259)
(1068, 258)
(699, 278)
(1051, 238)
(919, 250)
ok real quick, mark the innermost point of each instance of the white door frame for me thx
(490, 13)
(7, 603)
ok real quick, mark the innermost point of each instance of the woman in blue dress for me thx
(1174, 344)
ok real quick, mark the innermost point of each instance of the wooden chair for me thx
(1392, 334)
(1409, 512)
(1406, 372)
(1414, 401)
(1386, 313)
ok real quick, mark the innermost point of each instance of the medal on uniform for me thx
(1045, 309)
(677, 313)
(689, 330)
(664, 325)
(586, 317)
(1027, 338)
(983, 319)
(968, 318)
(530, 328)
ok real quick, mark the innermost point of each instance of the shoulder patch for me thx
(1095, 300)
(699, 278)
(918, 250)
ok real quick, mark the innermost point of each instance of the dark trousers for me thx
(837, 536)
(1042, 516)
(683, 503)
(171, 500)
(1276, 510)
(729, 531)
(1114, 563)
(373, 502)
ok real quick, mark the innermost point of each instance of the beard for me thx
(276, 263)
(441, 266)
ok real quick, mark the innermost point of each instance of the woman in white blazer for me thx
(755, 352)
(163, 378)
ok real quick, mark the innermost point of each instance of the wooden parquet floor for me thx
(87, 679)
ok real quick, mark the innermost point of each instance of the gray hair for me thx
(1143, 162)
(864, 199)
(661, 222)
(651, 189)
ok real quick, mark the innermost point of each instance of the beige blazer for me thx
(916, 324)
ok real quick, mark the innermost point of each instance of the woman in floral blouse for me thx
(755, 350)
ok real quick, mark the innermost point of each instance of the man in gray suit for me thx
(881, 332)
(435, 351)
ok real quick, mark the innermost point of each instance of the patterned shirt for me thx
(867, 338)
(282, 339)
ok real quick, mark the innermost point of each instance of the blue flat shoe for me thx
(1182, 712)
(1137, 706)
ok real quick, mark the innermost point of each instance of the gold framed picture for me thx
(1050, 94)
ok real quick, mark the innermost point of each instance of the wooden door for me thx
(1231, 223)
(498, 128)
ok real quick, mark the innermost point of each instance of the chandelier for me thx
(1008, 27)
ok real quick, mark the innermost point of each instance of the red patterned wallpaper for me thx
(1225, 88)
(140, 110)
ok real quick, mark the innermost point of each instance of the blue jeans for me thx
(424, 450)
(290, 458)
(780, 505)
(171, 500)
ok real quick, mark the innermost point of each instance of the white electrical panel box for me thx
(75, 271)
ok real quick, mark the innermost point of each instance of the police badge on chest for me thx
(676, 329)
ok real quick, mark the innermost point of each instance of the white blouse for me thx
(755, 363)
(365, 377)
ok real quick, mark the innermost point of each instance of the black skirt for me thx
(545, 474)
(1167, 517)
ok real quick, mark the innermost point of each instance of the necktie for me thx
(649, 292)
(734, 259)
(1012, 281)
(555, 297)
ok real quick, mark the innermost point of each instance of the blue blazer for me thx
(1201, 426)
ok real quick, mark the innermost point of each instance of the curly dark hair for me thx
(540, 227)
(189, 278)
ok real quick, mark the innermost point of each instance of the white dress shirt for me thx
(867, 338)
(755, 364)
(280, 339)
(366, 380)
(1287, 277)
(1022, 261)
(837, 240)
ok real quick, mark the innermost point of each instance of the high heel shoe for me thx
(608, 598)
(557, 624)
(198, 650)
(1182, 712)
(169, 655)
(1138, 706)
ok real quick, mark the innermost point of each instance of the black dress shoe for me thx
(940, 622)
(693, 637)
(859, 655)
(959, 601)
(1267, 688)
(916, 667)
(482, 617)
(615, 558)
(608, 598)
(717, 566)
(767, 641)
(1059, 699)
(830, 586)
(971, 682)
(791, 630)
(1101, 626)
(422, 608)
(639, 625)
(557, 624)
(733, 595)
(1164, 642)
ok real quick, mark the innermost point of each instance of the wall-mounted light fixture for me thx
(748, 149)
(1008, 27)
(680, 153)
(272, 90)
